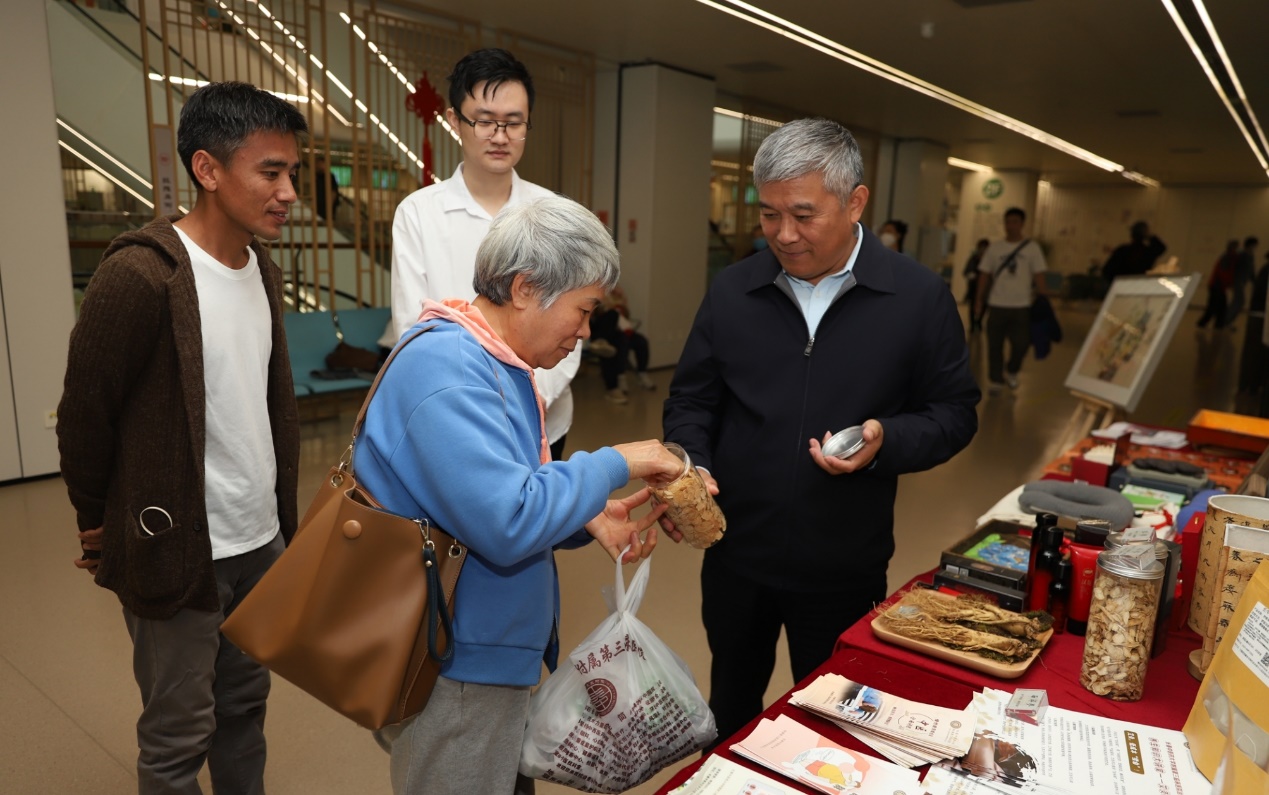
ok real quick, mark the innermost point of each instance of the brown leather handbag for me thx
(356, 610)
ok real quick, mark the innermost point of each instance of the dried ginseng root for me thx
(926, 615)
(692, 509)
(977, 613)
(913, 623)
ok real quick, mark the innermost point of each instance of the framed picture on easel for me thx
(1132, 330)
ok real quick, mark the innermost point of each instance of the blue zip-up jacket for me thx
(454, 435)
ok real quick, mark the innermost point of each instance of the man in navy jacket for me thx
(824, 330)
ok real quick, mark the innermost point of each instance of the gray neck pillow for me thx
(1079, 500)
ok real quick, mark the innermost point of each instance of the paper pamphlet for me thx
(924, 730)
(719, 776)
(1173, 440)
(804, 755)
(1068, 753)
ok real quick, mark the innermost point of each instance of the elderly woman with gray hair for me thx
(455, 434)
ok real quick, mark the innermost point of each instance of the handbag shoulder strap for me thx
(361, 413)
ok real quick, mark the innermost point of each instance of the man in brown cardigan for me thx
(179, 437)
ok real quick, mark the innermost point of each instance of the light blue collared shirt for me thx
(815, 299)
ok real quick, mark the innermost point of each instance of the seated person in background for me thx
(611, 323)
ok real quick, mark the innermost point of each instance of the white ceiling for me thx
(1070, 67)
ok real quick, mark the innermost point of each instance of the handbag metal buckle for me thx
(425, 527)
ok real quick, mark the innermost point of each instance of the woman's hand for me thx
(650, 461)
(615, 528)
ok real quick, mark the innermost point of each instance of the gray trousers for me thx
(1009, 324)
(202, 699)
(467, 739)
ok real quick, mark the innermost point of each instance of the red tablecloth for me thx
(1168, 694)
(861, 665)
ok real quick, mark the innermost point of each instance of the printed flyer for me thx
(804, 755)
(1068, 753)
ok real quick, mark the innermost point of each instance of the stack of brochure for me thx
(908, 733)
(806, 756)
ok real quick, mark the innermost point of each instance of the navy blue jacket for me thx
(752, 387)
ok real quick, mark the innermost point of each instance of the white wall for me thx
(604, 186)
(920, 172)
(666, 145)
(36, 302)
(1084, 224)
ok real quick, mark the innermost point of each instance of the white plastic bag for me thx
(622, 707)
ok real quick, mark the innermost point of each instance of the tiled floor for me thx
(68, 703)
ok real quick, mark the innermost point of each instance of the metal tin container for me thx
(845, 443)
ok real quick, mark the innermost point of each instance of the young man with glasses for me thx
(438, 228)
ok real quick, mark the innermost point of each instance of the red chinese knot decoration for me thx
(427, 104)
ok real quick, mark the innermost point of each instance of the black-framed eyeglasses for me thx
(488, 128)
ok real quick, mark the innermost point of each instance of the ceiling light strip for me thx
(968, 165)
(1216, 84)
(405, 81)
(330, 75)
(842, 53)
(1233, 76)
(105, 154)
(1141, 179)
(105, 174)
(735, 114)
(191, 82)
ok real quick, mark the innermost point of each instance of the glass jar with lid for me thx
(1121, 621)
(689, 504)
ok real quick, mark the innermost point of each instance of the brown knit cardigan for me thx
(130, 426)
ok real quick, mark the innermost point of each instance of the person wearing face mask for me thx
(759, 240)
(892, 234)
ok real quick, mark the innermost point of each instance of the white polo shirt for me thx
(435, 234)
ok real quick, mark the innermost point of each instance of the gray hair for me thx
(811, 145)
(555, 242)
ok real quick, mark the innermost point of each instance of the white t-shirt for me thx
(240, 468)
(1011, 288)
(435, 235)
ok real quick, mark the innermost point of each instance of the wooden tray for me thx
(966, 659)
